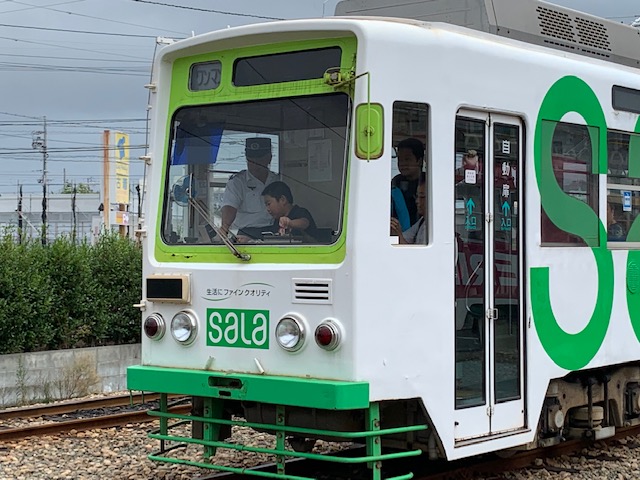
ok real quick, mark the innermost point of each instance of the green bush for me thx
(116, 266)
(68, 294)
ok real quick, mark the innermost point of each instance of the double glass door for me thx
(488, 274)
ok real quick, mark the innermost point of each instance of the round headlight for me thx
(184, 327)
(154, 326)
(290, 334)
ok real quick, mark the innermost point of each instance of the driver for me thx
(242, 203)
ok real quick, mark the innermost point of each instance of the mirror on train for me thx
(369, 131)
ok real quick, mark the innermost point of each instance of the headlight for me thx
(154, 326)
(184, 327)
(290, 333)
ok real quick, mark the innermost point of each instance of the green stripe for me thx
(309, 393)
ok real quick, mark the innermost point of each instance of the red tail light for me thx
(328, 335)
(154, 326)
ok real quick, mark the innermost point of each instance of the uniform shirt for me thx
(244, 193)
(417, 233)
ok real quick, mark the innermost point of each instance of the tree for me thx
(80, 188)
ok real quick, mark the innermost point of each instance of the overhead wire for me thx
(38, 6)
(98, 18)
(72, 48)
(86, 32)
(197, 9)
(147, 62)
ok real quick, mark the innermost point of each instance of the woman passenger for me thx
(404, 186)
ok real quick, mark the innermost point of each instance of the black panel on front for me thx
(164, 288)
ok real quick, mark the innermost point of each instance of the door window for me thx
(470, 267)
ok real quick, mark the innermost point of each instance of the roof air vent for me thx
(555, 24)
(593, 34)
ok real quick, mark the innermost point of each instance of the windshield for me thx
(267, 172)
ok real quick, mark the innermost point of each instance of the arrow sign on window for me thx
(470, 205)
(506, 209)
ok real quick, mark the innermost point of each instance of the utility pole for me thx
(106, 202)
(74, 230)
(20, 232)
(39, 142)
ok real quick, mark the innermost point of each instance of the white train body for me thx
(401, 310)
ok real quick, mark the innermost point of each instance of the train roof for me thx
(531, 21)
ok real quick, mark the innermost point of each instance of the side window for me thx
(623, 185)
(574, 162)
(409, 187)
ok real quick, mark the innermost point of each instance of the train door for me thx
(489, 385)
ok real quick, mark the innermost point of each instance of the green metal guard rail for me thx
(372, 436)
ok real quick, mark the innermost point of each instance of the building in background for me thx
(61, 218)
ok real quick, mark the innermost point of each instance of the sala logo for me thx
(238, 328)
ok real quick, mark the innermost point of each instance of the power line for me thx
(70, 48)
(75, 58)
(95, 18)
(70, 121)
(87, 32)
(33, 7)
(20, 115)
(622, 17)
(235, 14)
(21, 67)
(13, 151)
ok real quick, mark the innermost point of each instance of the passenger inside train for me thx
(615, 230)
(288, 218)
(404, 185)
(417, 232)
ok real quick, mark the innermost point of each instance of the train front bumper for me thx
(289, 391)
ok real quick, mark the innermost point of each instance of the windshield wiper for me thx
(223, 236)
(183, 193)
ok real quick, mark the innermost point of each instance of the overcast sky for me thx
(87, 82)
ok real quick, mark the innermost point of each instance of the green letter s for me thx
(571, 351)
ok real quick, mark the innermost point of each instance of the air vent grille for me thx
(555, 24)
(592, 34)
(312, 290)
(588, 35)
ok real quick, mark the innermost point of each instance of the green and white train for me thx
(516, 323)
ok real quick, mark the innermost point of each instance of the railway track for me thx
(92, 421)
(75, 405)
(428, 470)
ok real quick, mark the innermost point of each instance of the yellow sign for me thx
(122, 218)
(121, 155)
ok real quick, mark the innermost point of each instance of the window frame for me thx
(612, 185)
(593, 187)
(418, 128)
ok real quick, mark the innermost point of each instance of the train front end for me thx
(255, 323)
